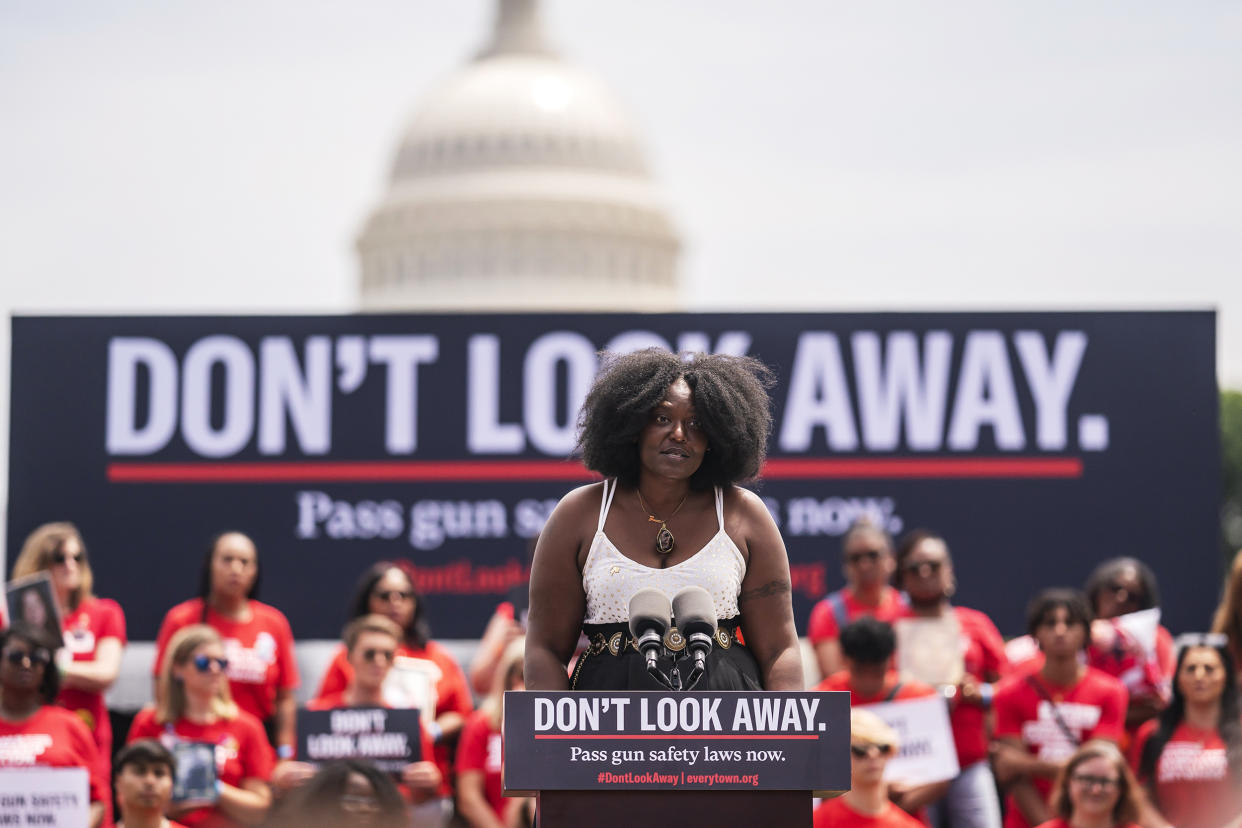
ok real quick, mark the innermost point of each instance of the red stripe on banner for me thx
(426, 471)
(681, 737)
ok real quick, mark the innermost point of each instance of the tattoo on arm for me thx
(766, 591)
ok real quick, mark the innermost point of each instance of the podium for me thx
(711, 758)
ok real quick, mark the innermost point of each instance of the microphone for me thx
(696, 619)
(650, 617)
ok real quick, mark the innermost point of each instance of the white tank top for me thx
(610, 579)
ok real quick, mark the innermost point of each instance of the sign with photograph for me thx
(1034, 442)
(30, 601)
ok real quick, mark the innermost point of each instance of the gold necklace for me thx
(664, 539)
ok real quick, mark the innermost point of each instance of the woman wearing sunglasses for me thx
(93, 628)
(866, 804)
(34, 731)
(925, 574)
(257, 638)
(423, 674)
(1095, 790)
(195, 705)
(1190, 758)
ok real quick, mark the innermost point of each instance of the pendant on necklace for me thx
(664, 540)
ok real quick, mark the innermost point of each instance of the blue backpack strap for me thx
(836, 600)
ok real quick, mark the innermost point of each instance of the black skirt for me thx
(612, 662)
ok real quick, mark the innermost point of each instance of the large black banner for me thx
(1038, 443)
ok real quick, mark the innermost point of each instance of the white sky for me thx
(194, 157)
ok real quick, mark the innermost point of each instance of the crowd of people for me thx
(1097, 717)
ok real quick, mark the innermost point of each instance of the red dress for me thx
(54, 738)
(482, 749)
(1094, 708)
(1193, 785)
(260, 652)
(242, 752)
(427, 678)
(94, 620)
(835, 813)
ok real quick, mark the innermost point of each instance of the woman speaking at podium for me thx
(672, 438)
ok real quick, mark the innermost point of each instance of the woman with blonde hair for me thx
(1095, 790)
(1228, 618)
(195, 705)
(480, 755)
(93, 628)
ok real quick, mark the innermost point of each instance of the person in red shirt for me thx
(867, 552)
(258, 643)
(1190, 758)
(1095, 790)
(925, 573)
(866, 804)
(144, 785)
(1042, 717)
(371, 643)
(35, 732)
(423, 674)
(195, 706)
(93, 628)
(481, 752)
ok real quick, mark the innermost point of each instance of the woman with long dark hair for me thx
(258, 641)
(423, 675)
(1190, 757)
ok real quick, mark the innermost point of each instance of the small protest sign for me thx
(57, 797)
(387, 738)
(927, 751)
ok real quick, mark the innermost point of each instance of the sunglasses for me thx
(206, 663)
(59, 558)
(38, 658)
(392, 596)
(1089, 781)
(382, 655)
(863, 751)
(916, 567)
(871, 555)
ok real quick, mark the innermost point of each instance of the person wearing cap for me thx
(866, 805)
(144, 783)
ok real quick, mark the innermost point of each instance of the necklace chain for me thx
(664, 540)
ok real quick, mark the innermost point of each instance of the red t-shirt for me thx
(840, 680)
(428, 679)
(54, 738)
(242, 752)
(1060, 823)
(835, 813)
(94, 620)
(260, 652)
(481, 748)
(823, 624)
(1193, 785)
(983, 654)
(1094, 708)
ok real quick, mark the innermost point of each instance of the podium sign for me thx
(677, 741)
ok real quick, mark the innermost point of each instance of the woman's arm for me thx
(247, 804)
(471, 802)
(501, 629)
(766, 602)
(557, 602)
(98, 675)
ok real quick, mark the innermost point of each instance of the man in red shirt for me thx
(144, 784)
(867, 553)
(1043, 716)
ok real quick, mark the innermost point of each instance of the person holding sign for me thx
(93, 628)
(1190, 758)
(258, 642)
(933, 627)
(1096, 790)
(33, 731)
(196, 708)
(867, 563)
(144, 785)
(371, 645)
(866, 804)
(672, 437)
(1042, 717)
